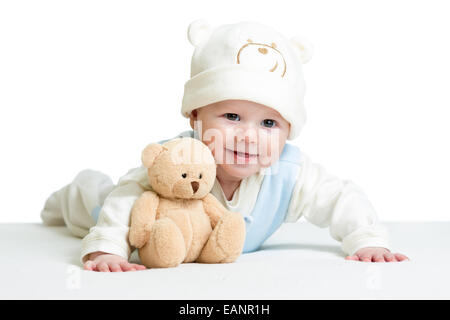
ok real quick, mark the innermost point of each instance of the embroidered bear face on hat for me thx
(262, 55)
(249, 61)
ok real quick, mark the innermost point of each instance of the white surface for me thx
(88, 83)
(300, 261)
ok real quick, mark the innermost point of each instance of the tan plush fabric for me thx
(180, 220)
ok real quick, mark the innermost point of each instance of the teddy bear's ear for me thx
(198, 32)
(303, 48)
(150, 153)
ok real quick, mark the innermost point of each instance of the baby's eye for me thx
(232, 116)
(269, 123)
(184, 175)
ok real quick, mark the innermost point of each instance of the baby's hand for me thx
(376, 254)
(106, 262)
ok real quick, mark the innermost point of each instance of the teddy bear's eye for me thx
(184, 175)
(200, 176)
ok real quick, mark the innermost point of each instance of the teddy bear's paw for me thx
(231, 235)
(139, 236)
(165, 248)
(226, 241)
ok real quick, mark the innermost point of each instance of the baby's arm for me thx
(106, 247)
(327, 201)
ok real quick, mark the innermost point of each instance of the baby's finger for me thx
(89, 265)
(114, 267)
(389, 257)
(138, 266)
(365, 257)
(355, 258)
(126, 266)
(378, 258)
(401, 257)
(102, 267)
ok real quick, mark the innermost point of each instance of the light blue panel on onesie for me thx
(95, 213)
(273, 198)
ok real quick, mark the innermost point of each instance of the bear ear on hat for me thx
(303, 47)
(150, 153)
(198, 32)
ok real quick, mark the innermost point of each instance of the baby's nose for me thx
(263, 50)
(194, 185)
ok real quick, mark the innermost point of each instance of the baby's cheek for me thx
(214, 136)
(219, 155)
(265, 161)
(269, 155)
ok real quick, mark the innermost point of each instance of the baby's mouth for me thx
(243, 155)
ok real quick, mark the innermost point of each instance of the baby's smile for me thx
(243, 157)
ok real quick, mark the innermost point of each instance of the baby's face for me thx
(243, 136)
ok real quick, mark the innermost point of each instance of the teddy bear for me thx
(179, 220)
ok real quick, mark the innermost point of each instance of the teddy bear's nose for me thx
(194, 185)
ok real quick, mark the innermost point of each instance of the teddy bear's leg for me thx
(165, 247)
(201, 230)
(226, 242)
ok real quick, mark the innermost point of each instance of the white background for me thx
(87, 84)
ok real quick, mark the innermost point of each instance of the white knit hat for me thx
(248, 61)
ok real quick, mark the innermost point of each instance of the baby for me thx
(244, 100)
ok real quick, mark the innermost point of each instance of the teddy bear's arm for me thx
(143, 216)
(213, 208)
